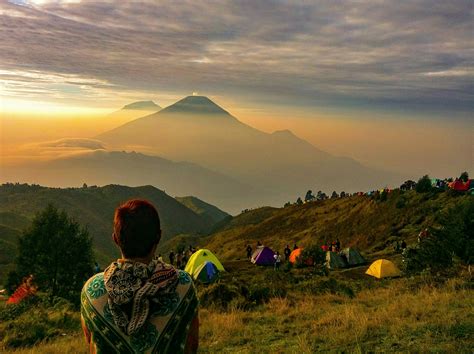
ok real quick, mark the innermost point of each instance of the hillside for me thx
(207, 211)
(93, 208)
(102, 167)
(361, 221)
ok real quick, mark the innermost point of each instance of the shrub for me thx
(454, 237)
(312, 255)
(424, 184)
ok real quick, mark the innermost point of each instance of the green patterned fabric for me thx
(165, 330)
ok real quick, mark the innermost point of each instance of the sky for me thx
(336, 72)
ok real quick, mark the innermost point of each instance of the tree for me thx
(334, 195)
(424, 184)
(453, 237)
(343, 194)
(464, 177)
(299, 201)
(309, 196)
(58, 252)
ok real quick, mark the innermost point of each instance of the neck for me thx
(144, 260)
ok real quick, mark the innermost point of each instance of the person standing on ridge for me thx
(171, 257)
(287, 253)
(249, 251)
(277, 260)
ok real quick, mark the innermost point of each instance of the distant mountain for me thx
(101, 167)
(133, 111)
(92, 207)
(142, 105)
(280, 166)
(203, 209)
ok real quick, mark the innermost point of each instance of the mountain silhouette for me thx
(101, 167)
(195, 105)
(280, 166)
(143, 105)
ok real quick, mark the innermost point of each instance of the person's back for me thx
(139, 304)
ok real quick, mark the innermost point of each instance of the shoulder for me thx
(94, 287)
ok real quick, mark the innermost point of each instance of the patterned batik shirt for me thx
(169, 315)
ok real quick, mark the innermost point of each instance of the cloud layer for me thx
(383, 53)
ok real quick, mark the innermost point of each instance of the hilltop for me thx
(370, 224)
(93, 207)
(142, 105)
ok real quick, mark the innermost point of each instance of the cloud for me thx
(74, 143)
(325, 52)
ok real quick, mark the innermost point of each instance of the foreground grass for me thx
(394, 318)
(402, 315)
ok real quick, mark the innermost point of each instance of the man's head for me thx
(137, 228)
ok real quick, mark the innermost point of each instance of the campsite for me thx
(357, 294)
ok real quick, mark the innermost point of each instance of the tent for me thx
(383, 268)
(459, 185)
(353, 257)
(200, 257)
(295, 254)
(334, 261)
(206, 273)
(263, 256)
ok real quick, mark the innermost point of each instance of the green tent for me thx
(353, 257)
(334, 261)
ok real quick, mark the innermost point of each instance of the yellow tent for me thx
(199, 257)
(383, 268)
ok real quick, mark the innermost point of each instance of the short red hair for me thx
(136, 228)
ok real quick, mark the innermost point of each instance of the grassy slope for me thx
(407, 315)
(91, 207)
(203, 209)
(359, 221)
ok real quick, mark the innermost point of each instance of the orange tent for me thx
(297, 254)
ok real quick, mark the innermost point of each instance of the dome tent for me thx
(263, 256)
(353, 257)
(334, 261)
(206, 273)
(383, 268)
(201, 256)
(296, 254)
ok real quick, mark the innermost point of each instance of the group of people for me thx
(334, 246)
(181, 257)
(277, 256)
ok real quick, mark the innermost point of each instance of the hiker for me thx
(26, 289)
(127, 308)
(171, 257)
(404, 245)
(179, 259)
(96, 268)
(184, 260)
(325, 248)
(295, 247)
(338, 245)
(423, 234)
(277, 260)
(249, 251)
(259, 244)
(287, 253)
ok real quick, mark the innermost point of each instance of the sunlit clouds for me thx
(369, 53)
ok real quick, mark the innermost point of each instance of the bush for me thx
(424, 184)
(35, 320)
(453, 237)
(312, 255)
